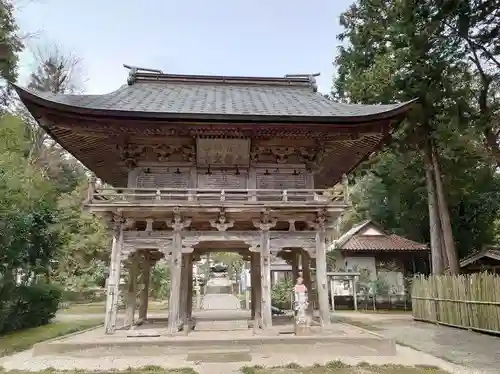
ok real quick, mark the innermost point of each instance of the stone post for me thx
(112, 294)
(144, 296)
(175, 271)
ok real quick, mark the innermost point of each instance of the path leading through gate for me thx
(220, 309)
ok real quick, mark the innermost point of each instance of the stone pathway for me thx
(219, 301)
(218, 304)
(479, 352)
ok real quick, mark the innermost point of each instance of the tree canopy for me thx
(433, 51)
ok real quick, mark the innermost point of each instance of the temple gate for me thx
(198, 163)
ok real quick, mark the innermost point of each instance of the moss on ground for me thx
(100, 308)
(334, 367)
(338, 367)
(143, 370)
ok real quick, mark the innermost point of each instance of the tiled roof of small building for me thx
(355, 240)
(383, 242)
(171, 94)
(492, 252)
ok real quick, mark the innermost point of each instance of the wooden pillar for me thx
(184, 289)
(113, 292)
(144, 295)
(321, 276)
(258, 291)
(295, 266)
(197, 284)
(332, 294)
(265, 271)
(355, 292)
(132, 289)
(175, 272)
(254, 272)
(190, 290)
(306, 275)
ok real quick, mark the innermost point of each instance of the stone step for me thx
(230, 325)
(211, 349)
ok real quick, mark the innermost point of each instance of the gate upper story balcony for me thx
(101, 198)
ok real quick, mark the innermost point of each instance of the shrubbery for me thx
(281, 294)
(83, 296)
(27, 306)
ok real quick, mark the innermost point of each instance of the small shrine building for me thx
(206, 163)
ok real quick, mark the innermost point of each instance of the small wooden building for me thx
(382, 255)
(205, 163)
(487, 259)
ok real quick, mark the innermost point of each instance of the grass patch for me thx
(338, 367)
(143, 370)
(100, 308)
(25, 339)
(93, 308)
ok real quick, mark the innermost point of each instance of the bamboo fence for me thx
(465, 301)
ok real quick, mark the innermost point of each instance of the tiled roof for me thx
(488, 251)
(382, 243)
(355, 240)
(170, 94)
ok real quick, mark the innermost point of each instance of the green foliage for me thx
(332, 259)
(11, 45)
(160, 281)
(409, 50)
(22, 340)
(23, 306)
(83, 256)
(280, 294)
(28, 211)
(232, 260)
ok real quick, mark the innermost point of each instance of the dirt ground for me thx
(476, 351)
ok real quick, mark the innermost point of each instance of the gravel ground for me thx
(405, 356)
(479, 352)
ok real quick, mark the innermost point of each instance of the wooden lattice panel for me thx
(162, 177)
(222, 180)
(281, 181)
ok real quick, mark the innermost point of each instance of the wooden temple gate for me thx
(250, 164)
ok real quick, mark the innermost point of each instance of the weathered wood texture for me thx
(112, 295)
(466, 301)
(158, 196)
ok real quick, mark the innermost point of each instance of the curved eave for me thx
(28, 97)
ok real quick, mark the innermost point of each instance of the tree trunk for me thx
(444, 215)
(434, 221)
(444, 255)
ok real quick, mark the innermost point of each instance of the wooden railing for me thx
(106, 195)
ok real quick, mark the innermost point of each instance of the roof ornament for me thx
(311, 77)
(132, 75)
